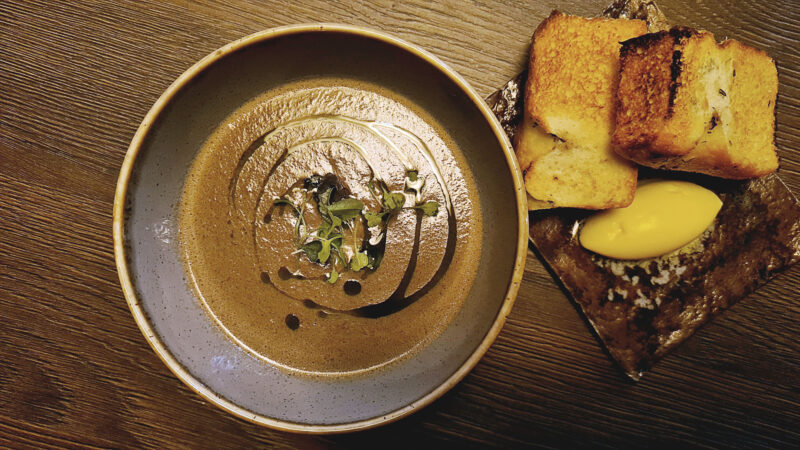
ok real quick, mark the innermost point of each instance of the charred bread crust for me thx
(680, 106)
(650, 69)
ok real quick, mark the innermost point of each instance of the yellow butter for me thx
(664, 216)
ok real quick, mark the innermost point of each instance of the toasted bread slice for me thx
(564, 143)
(559, 173)
(687, 103)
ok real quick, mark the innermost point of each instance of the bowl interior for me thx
(173, 319)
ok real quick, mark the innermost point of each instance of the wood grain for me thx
(77, 77)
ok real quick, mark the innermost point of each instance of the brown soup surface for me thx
(251, 208)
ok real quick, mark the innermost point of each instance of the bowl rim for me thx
(141, 317)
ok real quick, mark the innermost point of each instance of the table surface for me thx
(76, 78)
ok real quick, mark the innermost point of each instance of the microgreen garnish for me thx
(393, 201)
(374, 219)
(390, 202)
(359, 261)
(325, 251)
(298, 212)
(325, 229)
(311, 250)
(429, 208)
(346, 209)
(286, 201)
(340, 212)
(333, 276)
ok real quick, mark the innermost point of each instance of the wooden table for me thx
(75, 81)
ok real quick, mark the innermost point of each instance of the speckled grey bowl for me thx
(153, 278)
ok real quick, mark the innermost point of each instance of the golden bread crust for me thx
(563, 144)
(574, 72)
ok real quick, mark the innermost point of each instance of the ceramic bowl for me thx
(152, 274)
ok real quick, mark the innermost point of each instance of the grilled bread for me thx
(687, 103)
(564, 143)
